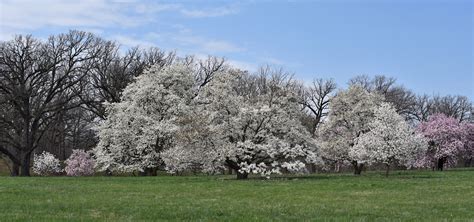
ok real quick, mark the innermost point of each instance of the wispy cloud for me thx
(207, 45)
(210, 12)
(24, 15)
(30, 15)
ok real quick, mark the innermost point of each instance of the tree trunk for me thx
(229, 170)
(467, 162)
(242, 176)
(25, 165)
(387, 170)
(357, 167)
(15, 171)
(440, 165)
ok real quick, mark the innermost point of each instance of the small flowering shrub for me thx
(46, 164)
(80, 163)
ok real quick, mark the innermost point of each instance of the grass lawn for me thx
(403, 196)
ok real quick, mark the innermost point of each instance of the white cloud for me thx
(132, 41)
(206, 45)
(24, 15)
(30, 14)
(210, 12)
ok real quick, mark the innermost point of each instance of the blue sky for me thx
(427, 45)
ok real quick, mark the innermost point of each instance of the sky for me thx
(427, 45)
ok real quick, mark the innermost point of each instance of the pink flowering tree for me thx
(80, 163)
(468, 152)
(446, 139)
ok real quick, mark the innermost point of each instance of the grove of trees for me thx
(141, 110)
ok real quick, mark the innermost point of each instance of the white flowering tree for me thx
(350, 112)
(252, 127)
(46, 164)
(145, 122)
(389, 140)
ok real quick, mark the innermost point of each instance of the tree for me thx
(80, 163)
(457, 107)
(315, 99)
(111, 72)
(39, 81)
(389, 140)
(350, 113)
(251, 126)
(397, 95)
(468, 151)
(46, 164)
(145, 122)
(446, 139)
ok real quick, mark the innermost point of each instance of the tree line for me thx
(144, 109)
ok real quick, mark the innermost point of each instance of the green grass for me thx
(403, 196)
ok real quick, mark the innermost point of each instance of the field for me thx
(403, 196)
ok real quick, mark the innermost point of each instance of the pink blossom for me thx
(446, 138)
(80, 163)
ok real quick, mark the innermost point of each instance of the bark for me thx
(358, 167)
(15, 170)
(440, 164)
(387, 170)
(233, 165)
(25, 165)
(467, 162)
(242, 176)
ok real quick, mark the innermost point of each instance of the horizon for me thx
(426, 45)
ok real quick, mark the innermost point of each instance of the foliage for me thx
(350, 113)
(46, 164)
(446, 138)
(250, 130)
(389, 140)
(80, 163)
(144, 123)
(468, 151)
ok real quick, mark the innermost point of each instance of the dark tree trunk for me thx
(387, 170)
(357, 167)
(108, 172)
(467, 162)
(154, 172)
(440, 165)
(25, 165)
(242, 176)
(234, 166)
(15, 171)
(229, 170)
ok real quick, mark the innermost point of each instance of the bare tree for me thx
(458, 107)
(401, 98)
(111, 73)
(38, 81)
(315, 99)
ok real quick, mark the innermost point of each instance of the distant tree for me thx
(389, 140)
(458, 107)
(111, 72)
(397, 95)
(446, 139)
(315, 100)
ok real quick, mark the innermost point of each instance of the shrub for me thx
(80, 163)
(46, 164)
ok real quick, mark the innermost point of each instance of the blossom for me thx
(45, 164)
